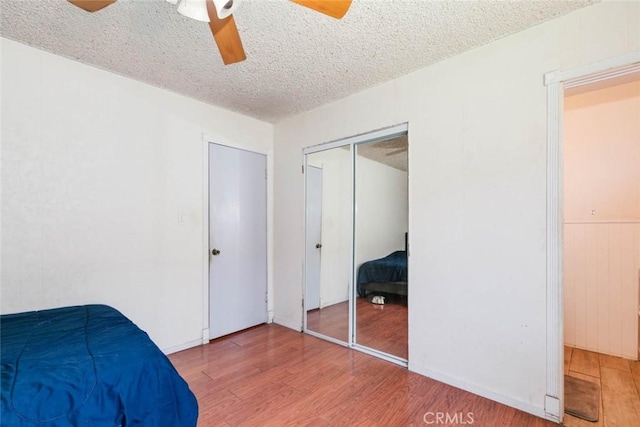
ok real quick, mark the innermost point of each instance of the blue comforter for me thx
(87, 366)
(392, 268)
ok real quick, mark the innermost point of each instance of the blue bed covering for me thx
(392, 268)
(87, 366)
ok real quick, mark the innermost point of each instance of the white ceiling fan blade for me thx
(194, 9)
(224, 8)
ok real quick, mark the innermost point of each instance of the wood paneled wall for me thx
(601, 281)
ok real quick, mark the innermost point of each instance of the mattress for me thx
(87, 366)
(392, 268)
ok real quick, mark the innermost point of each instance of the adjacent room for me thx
(602, 245)
(291, 212)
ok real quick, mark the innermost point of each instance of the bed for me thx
(386, 275)
(87, 366)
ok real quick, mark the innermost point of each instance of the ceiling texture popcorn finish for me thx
(297, 59)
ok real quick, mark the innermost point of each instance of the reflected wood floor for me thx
(619, 381)
(381, 327)
(332, 321)
(274, 376)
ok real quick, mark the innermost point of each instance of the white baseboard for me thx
(538, 411)
(552, 409)
(296, 326)
(180, 347)
(326, 304)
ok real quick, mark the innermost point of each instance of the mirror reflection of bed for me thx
(381, 305)
(381, 224)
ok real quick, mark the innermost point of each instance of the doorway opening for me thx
(571, 82)
(601, 251)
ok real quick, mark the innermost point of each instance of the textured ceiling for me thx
(391, 152)
(297, 59)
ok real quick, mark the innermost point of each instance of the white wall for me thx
(601, 279)
(602, 219)
(381, 210)
(477, 198)
(602, 155)
(96, 171)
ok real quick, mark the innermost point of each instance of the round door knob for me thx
(215, 252)
(318, 245)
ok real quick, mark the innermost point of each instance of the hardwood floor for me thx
(381, 327)
(619, 381)
(274, 376)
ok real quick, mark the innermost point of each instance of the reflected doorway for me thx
(327, 243)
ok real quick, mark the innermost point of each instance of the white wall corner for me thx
(552, 408)
(205, 336)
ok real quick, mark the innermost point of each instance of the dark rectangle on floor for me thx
(581, 398)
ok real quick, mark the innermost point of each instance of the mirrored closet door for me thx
(356, 241)
(381, 236)
(328, 218)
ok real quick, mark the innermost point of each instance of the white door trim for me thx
(557, 82)
(206, 140)
(373, 136)
(307, 304)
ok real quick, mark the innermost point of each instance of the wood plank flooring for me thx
(619, 381)
(274, 376)
(381, 327)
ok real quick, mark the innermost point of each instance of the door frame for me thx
(206, 140)
(308, 168)
(556, 82)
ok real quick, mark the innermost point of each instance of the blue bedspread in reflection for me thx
(87, 366)
(392, 268)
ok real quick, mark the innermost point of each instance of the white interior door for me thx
(313, 237)
(237, 240)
